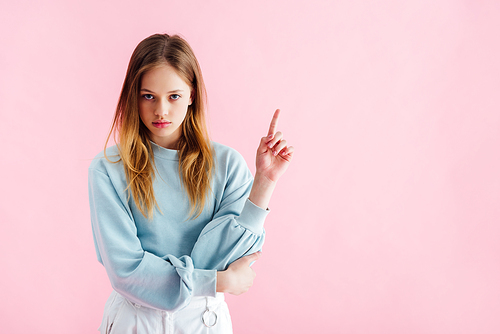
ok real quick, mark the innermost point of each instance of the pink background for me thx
(387, 220)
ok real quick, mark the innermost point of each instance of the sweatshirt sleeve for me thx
(237, 228)
(166, 283)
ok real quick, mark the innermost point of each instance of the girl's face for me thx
(163, 103)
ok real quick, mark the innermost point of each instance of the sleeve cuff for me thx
(204, 282)
(252, 217)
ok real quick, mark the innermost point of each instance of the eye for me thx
(175, 96)
(148, 96)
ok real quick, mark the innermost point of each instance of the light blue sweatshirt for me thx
(163, 262)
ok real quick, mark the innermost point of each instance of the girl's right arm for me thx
(165, 283)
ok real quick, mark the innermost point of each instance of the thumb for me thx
(253, 257)
(263, 144)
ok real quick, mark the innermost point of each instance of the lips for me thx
(161, 124)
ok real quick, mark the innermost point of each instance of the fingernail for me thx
(270, 136)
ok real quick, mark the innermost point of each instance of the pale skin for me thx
(272, 160)
(165, 97)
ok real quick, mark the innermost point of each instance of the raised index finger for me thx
(274, 123)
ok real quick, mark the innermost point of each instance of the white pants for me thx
(122, 316)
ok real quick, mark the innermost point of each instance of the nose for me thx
(162, 108)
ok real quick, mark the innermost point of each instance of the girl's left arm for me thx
(272, 161)
(238, 226)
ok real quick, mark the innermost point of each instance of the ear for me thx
(191, 97)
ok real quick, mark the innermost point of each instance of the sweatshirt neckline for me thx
(164, 153)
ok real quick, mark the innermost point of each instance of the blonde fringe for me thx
(196, 157)
(196, 164)
(135, 152)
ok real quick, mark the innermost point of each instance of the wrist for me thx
(262, 190)
(221, 285)
(263, 181)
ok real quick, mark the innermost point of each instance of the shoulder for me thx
(227, 154)
(229, 163)
(107, 161)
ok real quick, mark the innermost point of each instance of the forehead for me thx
(163, 78)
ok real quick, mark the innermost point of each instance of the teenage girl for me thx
(177, 219)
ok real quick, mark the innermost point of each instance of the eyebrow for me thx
(172, 91)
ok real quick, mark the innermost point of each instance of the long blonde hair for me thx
(196, 158)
